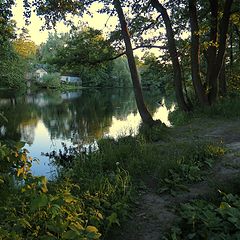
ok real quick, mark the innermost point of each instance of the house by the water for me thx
(39, 73)
(71, 79)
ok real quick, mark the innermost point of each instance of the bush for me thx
(51, 80)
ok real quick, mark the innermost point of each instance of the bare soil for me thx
(154, 213)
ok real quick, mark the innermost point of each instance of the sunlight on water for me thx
(45, 120)
(130, 124)
(162, 113)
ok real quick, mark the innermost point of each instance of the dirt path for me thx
(154, 214)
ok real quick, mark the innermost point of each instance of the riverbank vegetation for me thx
(197, 61)
(93, 192)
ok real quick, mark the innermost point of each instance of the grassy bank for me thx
(94, 193)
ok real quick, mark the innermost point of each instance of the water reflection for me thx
(46, 119)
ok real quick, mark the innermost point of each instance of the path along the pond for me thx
(155, 213)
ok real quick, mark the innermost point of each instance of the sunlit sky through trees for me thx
(98, 21)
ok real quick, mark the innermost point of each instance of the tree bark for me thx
(195, 55)
(222, 81)
(143, 111)
(215, 69)
(173, 54)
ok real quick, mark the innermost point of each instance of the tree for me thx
(53, 12)
(80, 53)
(145, 115)
(24, 47)
(174, 56)
(195, 55)
(151, 76)
(7, 26)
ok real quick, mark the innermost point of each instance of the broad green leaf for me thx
(38, 202)
(71, 235)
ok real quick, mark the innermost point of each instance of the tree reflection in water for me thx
(46, 119)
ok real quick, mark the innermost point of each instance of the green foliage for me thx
(12, 67)
(179, 117)
(84, 53)
(201, 219)
(14, 162)
(234, 83)
(226, 108)
(36, 213)
(48, 51)
(6, 24)
(33, 208)
(120, 74)
(50, 80)
(153, 133)
(153, 73)
(191, 160)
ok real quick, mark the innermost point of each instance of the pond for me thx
(44, 120)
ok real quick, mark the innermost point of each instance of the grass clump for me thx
(190, 161)
(154, 133)
(225, 108)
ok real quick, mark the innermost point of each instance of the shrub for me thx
(51, 80)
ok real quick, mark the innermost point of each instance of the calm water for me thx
(46, 119)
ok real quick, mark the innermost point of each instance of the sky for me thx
(98, 22)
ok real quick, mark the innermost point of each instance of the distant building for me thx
(39, 73)
(71, 79)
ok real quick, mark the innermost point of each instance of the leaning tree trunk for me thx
(144, 113)
(195, 55)
(173, 54)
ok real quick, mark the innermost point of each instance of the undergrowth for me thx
(225, 108)
(93, 191)
(201, 219)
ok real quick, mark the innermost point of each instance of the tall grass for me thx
(225, 108)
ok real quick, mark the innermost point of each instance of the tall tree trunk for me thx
(195, 55)
(212, 51)
(144, 113)
(173, 54)
(223, 30)
(222, 80)
(216, 68)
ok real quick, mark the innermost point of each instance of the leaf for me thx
(68, 198)
(76, 227)
(20, 171)
(44, 184)
(113, 219)
(224, 205)
(91, 229)
(71, 235)
(20, 145)
(38, 202)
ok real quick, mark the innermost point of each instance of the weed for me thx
(201, 219)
